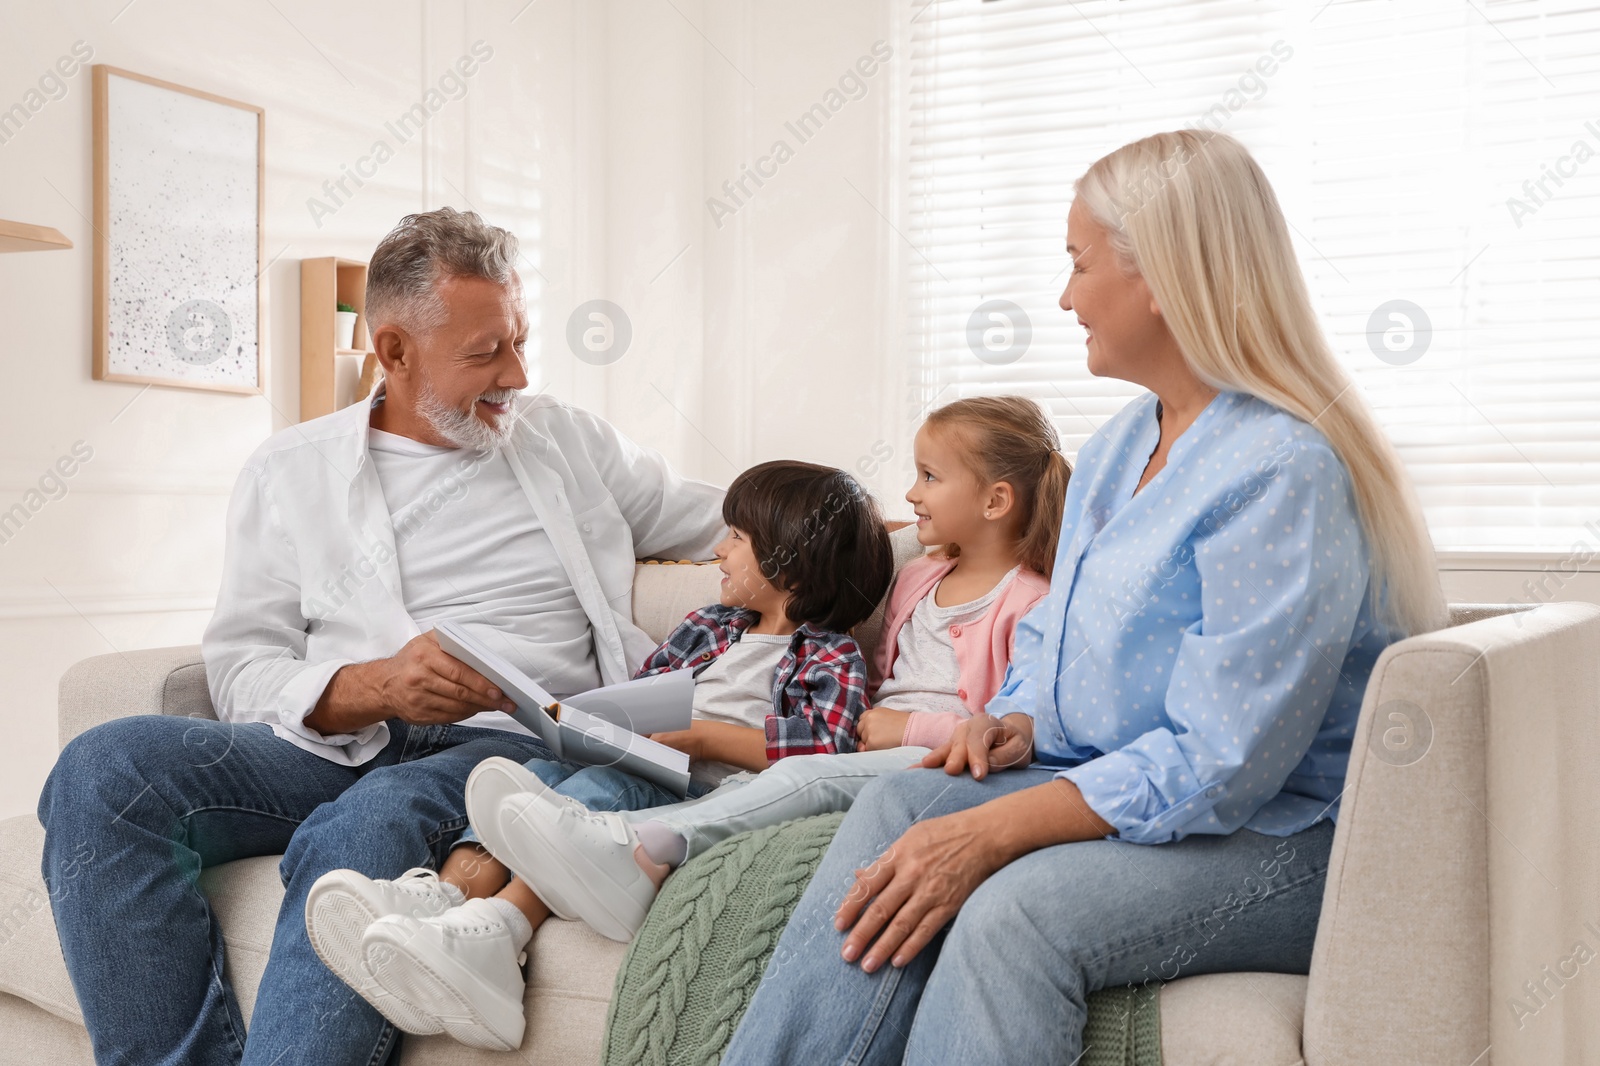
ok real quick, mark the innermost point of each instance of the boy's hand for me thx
(684, 740)
(740, 745)
(882, 727)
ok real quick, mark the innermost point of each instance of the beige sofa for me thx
(1455, 877)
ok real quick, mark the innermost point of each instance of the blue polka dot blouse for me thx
(1199, 663)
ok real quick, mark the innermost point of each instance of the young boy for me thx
(805, 559)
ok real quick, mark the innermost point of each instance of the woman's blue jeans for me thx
(136, 808)
(1007, 980)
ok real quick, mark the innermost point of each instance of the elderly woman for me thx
(1237, 548)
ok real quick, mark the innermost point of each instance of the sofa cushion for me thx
(33, 1035)
(664, 592)
(1233, 1019)
(31, 967)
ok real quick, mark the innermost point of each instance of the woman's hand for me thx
(916, 887)
(919, 884)
(982, 742)
(881, 727)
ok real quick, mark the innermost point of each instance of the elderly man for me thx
(346, 733)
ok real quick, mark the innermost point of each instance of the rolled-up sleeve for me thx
(255, 645)
(1282, 580)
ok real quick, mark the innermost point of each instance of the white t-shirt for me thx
(471, 550)
(926, 676)
(737, 688)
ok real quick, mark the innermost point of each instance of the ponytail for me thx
(1038, 548)
(1010, 439)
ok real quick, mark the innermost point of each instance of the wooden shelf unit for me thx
(324, 284)
(22, 237)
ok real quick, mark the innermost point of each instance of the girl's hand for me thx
(981, 742)
(881, 727)
(916, 887)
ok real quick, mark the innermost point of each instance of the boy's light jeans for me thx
(797, 787)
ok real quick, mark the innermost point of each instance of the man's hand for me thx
(882, 727)
(982, 742)
(421, 684)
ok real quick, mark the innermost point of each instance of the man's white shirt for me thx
(472, 551)
(537, 543)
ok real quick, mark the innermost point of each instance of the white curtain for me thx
(1438, 161)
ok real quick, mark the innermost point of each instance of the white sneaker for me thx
(340, 907)
(582, 857)
(459, 971)
(491, 785)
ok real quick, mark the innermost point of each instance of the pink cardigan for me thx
(983, 648)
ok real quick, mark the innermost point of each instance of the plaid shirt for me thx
(818, 690)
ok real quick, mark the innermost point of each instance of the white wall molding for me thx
(19, 606)
(148, 481)
(1521, 562)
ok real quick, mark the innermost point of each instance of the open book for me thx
(601, 727)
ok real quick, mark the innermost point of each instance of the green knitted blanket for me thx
(689, 974)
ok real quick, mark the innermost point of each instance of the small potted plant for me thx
(345, 322)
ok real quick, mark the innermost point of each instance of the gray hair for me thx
(405, 270)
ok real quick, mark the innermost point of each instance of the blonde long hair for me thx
(1193, 214)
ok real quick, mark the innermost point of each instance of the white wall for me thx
(774, 331)
(596, 131)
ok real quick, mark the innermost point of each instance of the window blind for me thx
(1437, 160)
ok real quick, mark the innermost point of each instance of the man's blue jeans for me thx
(136, 808)
(1008, 978)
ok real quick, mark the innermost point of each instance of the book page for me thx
(660, 703)
(588, 739)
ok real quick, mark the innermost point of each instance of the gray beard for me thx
(465, 429)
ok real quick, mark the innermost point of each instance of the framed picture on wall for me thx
(177, 211)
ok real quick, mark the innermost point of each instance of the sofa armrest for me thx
(151, 681)
(1469, 799)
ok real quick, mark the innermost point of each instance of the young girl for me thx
(990, 487)
(806, 558)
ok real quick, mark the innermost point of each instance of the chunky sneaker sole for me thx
(338, 913)
(493, 782)
(454, 998)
